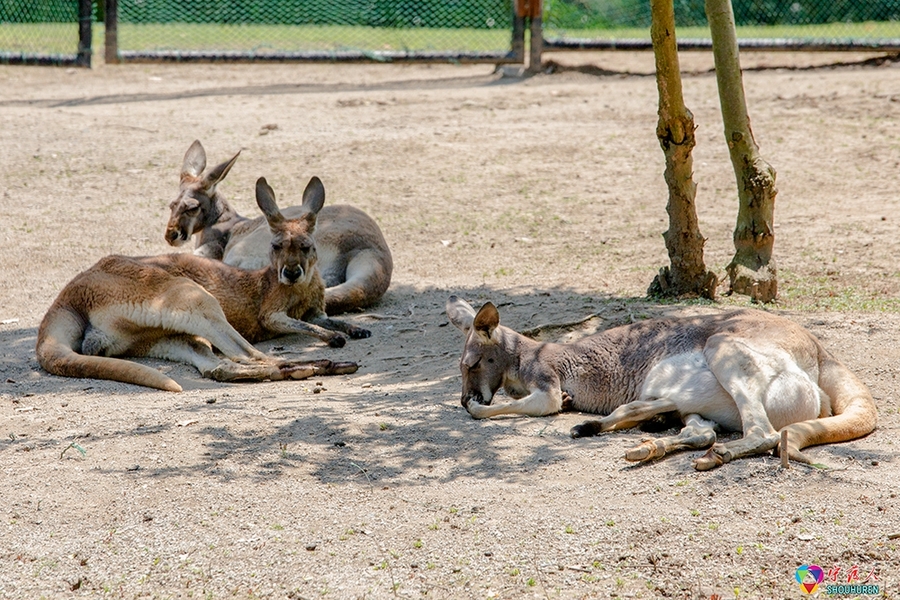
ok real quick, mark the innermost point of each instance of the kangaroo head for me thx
(485, 360)
(194, 208)
(293, 249)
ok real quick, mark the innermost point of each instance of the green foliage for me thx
(614, 14)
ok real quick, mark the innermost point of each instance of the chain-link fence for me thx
(465, 30)
(763, 24)
(46, 31)
(59, 31)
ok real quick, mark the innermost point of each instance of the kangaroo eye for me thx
(491, 360)
(277, 247)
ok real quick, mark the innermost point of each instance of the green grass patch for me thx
(821, 292)
(62, 38)
(830, 31)
(300, 38)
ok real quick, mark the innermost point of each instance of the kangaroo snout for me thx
(475, 396)
(176, 236)
(290, 275)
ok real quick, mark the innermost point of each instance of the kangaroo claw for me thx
(646, 450)
(297, 371)
(341, 368)
(305, 369)
(710, 460)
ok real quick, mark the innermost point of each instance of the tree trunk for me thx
(687, 275)
(752, 270)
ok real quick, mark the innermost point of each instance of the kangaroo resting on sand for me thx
(354, 259)
(745, 370)
(180, 306)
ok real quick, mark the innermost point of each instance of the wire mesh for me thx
(39, 31)
(328, 29)
(761, 23)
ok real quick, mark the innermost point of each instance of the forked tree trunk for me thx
(687, 274)
(752, 270)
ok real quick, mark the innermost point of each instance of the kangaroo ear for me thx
(487, 319)
(314, 195)
(217, 174)
(460, 313)
(194, 161)
(265, 199)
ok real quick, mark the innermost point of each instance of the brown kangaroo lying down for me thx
(180, 306)
(354, 259)
(744, 370)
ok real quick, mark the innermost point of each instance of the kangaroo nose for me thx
(292, 274)
(172, 235)
(472, 396)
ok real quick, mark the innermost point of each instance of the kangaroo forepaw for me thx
(337, 341)
(566, 402)
(586, 429)
(358, 333)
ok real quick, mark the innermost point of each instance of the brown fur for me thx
(179, 306)
(743, 370)
(355, 261)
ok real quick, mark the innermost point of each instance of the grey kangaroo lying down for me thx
(354, 259)
(180, 306)
(744, 370)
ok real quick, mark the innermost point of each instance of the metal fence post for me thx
(111, 35)
(532, 10)
(537, 37)
(85, 17)
(518, 38)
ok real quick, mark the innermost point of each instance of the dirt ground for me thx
(542, 194)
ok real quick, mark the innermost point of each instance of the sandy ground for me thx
(542, 194)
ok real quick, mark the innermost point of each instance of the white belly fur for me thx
(791, 395)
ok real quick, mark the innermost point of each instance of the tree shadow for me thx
(447, 83)
(398, 421)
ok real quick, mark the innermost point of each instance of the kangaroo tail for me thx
(852, 408)
(60, 336)
(368, 278)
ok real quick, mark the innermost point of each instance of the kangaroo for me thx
(354, 259)
(180, 306)
(744, 370)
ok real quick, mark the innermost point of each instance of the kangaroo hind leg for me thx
(697, 433)
(187, 307)
(766, 384)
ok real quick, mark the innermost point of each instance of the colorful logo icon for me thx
(809, 577)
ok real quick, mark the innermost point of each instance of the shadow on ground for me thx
(398, 420)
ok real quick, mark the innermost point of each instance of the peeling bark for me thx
(687, 274)
(752, 270)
